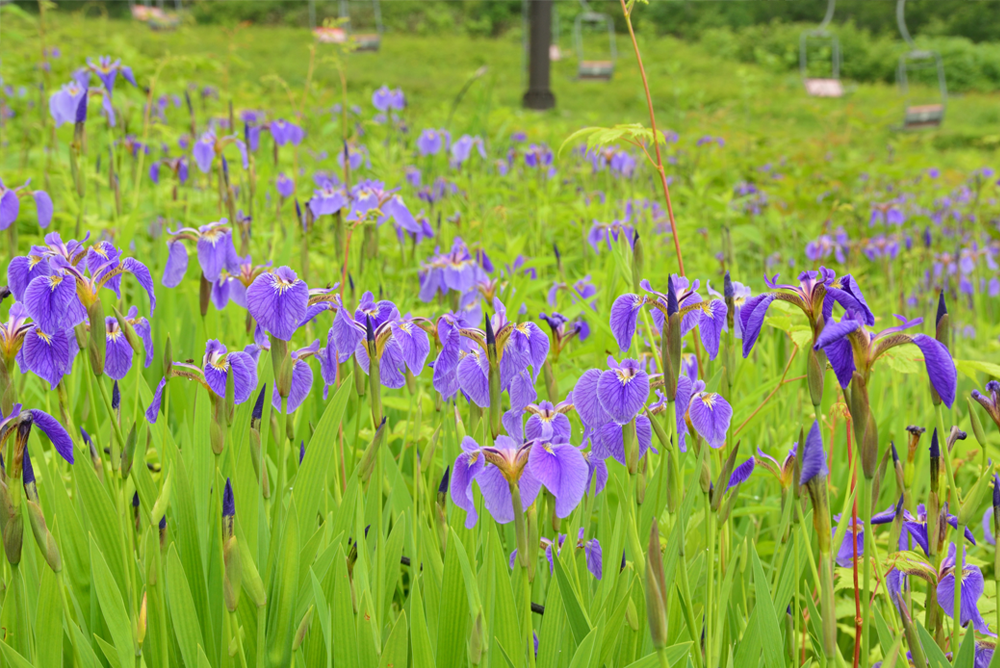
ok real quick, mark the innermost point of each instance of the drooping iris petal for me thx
(52, 302)
(132, 266)
(563, 471)
(532, 342)
(988, 526)
(752, 319)
(624, 316)
(145, 332)
(49, 356)
(56, 432)
(841, 357)
(177, 264)
(623, 391)
(213, 252)
(43, 203)
(22, 270)
(592, 551)
(244, 375)
(845, 553)
(555, 427)
(467, 467)
(710, 415)
(741, 473)
(153, 412)
(681, 400)
(597, 472)
(117, 354)
(940, 367)
(972, 590)
(713, 322)
(302, 379)
(413, 343)
(813, 457)
(278, 301)
(522, 391)
(345, 331)
(496, 494)
(473, 378)
(10, 206)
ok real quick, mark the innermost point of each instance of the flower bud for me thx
(162, 528)
(442, 492)
(281, 361)
(977, 425)
(232, 583)
(204, 295)
(128, 452)
(974, 499)
(494, 378)
(300, 633)
(129, 331)
(116, 401)
(368, 457)
(43, 537)
(11, 526)
(168, 358)
(656, 590)
(815, 370)
(638, 261)
(97, 342)
(476, 640)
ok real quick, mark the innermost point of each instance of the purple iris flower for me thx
(741, 293)
(784, 471)
(420, 230)
(385, 99)
(708, 413)
(548, 422)
(356, 156)
(991, 400)
(560, 467)
(845, 553)
(915, 526)
(63, 103)
(329, 198)
(457, 270)
(606, 233)
(563, 331)
(285, 132)
(401, 342)
(709, 316)
(58, 298)
(218, 362)
(538, 156)
(49, 356)
(49, 425)
(278, 301)
(825, 245)
(815, 295)
(606, 400)
(368, 195)
(107, 71)
(454, 347)
(591, 550)
(209, 146)
(851, 347)
(118, 353)
(216, 252)
(881, 246)
(13, 331)
(431, 141)
(302, 379)
(519, 346)
(887, 214)
(813, 456)
(285, 186)
(461, 149)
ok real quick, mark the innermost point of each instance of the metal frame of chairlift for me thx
(364, 41)
(819, 87)
(594, 70)
(927, 115)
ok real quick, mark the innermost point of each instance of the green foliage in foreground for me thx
(349, 564)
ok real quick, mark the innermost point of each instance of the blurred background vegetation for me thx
(965, 32)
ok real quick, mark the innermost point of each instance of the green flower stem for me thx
(866, 514)
(959, 569)
(634, 545)
(522, 559)
(279, 440)
(119, 439)
(711, 578)
(687, 603)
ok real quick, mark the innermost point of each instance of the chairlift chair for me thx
(365, 41)
(818, 86)
(156, 17)
(590, 69)
(929, 114)
(324, 33)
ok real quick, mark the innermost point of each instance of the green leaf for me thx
(12, 657)
(49, 616)
(395, 650)
(103, 520)
(312, 476)
(674, 655)
(967, 652)
(183, 615)
(971, 367)
(110, 653)
(420, 639)
(767, 620)
(112, 607)
(581, 658)
(579, 622)
(453, 614)
(935, 656)
(345, 635)
(284, 587)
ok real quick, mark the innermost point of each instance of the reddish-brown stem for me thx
(656, 143)
(773, 392)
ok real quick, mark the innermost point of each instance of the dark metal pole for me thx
(539, 96)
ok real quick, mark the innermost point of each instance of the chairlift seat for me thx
(923, 116)
(824, 87)
(555, 53)
(368, 42)
(596, 70)
(330, 35)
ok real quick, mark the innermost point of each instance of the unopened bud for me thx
(476, 641)
(98, 341)
(128, 452)
(368, 457)
(204, 295)
(638, 261)
(300, 633)
(656, 590)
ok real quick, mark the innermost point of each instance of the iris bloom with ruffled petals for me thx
(558, 466)
(215, 252)
(851, 347)
(118, 354)
(209, 146)
(990, 402)
(278, 301)
(606, 400)
(107, 71)
(591, 550)
(709, 316)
